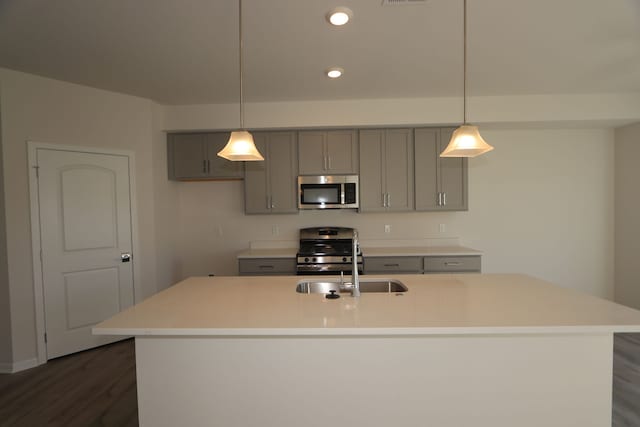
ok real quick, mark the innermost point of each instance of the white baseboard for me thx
(12, 368)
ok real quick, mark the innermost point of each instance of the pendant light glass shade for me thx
(241, 148)
(466, 142)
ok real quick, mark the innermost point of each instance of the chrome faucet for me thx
(355, 281)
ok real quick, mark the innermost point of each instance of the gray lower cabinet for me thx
(329, 152)
(407, 265)
(193, 156)
(422, 264)
(267, 266)
(386, 170)
(270, 186)
(440, 182)
(452, 264)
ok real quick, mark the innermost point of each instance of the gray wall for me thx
(541, 203)
(627, 234)
(54, 112)
(5, 310)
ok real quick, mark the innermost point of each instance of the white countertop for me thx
(369, 251)
(442, 304)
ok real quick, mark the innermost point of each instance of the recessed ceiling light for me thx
(339, 16)
(334, 72)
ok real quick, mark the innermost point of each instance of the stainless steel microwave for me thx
(328, 192)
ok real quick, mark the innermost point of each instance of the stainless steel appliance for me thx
(327, 250)
(328, 192)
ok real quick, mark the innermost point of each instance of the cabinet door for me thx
(267, 266)
(426, 169)
(372, 179)
(328, 152)
(283, 171)
(217, 166)
(391, 264)
(398, 169)
(452, 264)
(453, 176)
(186, 155)
(256, 183)
(341, 152)
(311, 152)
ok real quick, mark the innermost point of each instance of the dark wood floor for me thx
(98, 388)
(89, 389)
(626, 380)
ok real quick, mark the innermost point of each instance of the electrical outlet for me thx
(443, 228)
(275, 230)
(387, 228)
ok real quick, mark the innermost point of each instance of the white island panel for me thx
(444, 381)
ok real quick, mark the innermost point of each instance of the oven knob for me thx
(344, 259)
(306, 260)
(314, 259)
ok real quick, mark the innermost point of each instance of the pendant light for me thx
(466, 140)
(240, 146)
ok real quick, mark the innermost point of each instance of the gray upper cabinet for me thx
(440, 182)
(386, 170)
(328, 152)
(194, 156)
(270, 186)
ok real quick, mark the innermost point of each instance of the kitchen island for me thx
(454, 350)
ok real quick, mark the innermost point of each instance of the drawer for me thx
(439, 264)
(393, 264)
(267, 266)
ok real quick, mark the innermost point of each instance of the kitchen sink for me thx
(366, 285)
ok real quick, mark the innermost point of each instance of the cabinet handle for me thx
(265, 267)
(388, 200)
(439, 199)
(452, 263)
(384, 200)
(268, 198)
(392, 265)
(204, 166)
(324, 163)
(328, 162)
(444, 199)
(271, 202)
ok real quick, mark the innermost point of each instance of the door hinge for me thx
(37, 168)
(45, 337)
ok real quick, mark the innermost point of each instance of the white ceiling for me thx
(186, 51)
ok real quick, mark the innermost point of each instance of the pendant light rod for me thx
(241, 146)
(464, 63)
(241, 63)
(466, 140)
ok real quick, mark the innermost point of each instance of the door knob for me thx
(125, 257)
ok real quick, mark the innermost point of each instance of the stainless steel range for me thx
(326, 250)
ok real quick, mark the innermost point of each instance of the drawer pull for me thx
(265, 266)
(453, 263)
(392, 265)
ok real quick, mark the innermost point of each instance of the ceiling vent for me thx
(402, 2)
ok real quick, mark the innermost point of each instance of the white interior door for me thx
(85, 227)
